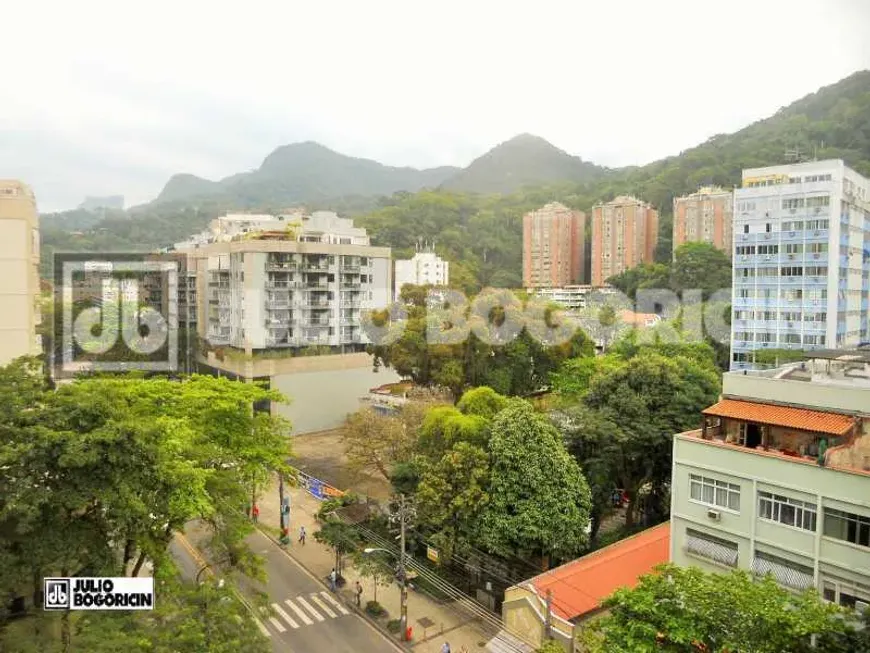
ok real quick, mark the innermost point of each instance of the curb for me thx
(401, 646)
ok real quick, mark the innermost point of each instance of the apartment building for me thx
(425, 269)
(801, 260)
(624, 235)
(291, 289)
(705, 216)
(19, 272)
(554, 247)
(237, 225)
(777, 480)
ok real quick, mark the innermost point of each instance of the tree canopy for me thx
(97, 476)
(687, 610)
(539, 501)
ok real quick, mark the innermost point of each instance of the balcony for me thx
(347, 283)
(278, 266)
(310, 266)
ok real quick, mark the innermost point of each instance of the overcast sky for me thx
(97, 98)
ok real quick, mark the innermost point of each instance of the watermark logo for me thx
(115, 312)
(99, 593)
(56, 593)
(497, 317)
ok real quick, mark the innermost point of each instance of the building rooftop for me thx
(580, 586)
(785, 416)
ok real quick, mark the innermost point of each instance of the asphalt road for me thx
(307, 617)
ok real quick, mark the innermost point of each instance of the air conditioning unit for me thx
(791, 233)
(714, 515)
(792, 210)
(817, 210)
(791, 257)
(861, 606)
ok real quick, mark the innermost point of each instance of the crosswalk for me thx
(301, 611)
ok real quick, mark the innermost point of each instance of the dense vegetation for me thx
(98, 476)
(685, 610)
(481, 234)
(520, 366)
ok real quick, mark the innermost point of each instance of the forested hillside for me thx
(481, 234)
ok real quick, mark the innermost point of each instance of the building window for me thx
(714, 492)
(847, 526)
(845, 592)
(712, 548)
(785, 572)
(785, 510)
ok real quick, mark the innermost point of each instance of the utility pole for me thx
(403, 513)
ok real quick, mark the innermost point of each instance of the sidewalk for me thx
(447, 625)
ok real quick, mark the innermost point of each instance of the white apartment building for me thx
(425, 269)
(20, 314)
(571, 297)
(306, 288)
(778, 478)
(801, 259)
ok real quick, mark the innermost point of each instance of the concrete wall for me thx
(524, 616)
(321, 399)
(802, 393)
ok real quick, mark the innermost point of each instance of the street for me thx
(308, 617)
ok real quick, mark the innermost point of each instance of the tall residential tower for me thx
(801, 260)
(553, 247)
(624, 234)
(19, 272)
(704, 216)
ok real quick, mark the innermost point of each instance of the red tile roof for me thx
(795, 418)
(581, 585)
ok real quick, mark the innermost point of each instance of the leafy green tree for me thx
(445, 426)
(98, 475)
(482, 401)
(646, 402)
(452, 493)
(686, 610)
(598, 445)
(550, 646)
(371, 566)
(574, 377)
(700, 266)
(341, 537)
(642, 277)
(539, 501)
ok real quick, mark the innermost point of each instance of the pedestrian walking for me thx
(302, 535)
(358, 594)
(332, 579)
(445, 648)
(255, 513)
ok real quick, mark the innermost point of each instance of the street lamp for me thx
(403, 585)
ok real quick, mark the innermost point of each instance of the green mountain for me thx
(302, 173)
(481, 233)
(524, 160)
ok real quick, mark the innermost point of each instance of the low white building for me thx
(425, 269)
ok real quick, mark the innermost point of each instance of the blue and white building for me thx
(801, 260)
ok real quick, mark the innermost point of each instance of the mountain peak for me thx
(523, 160)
